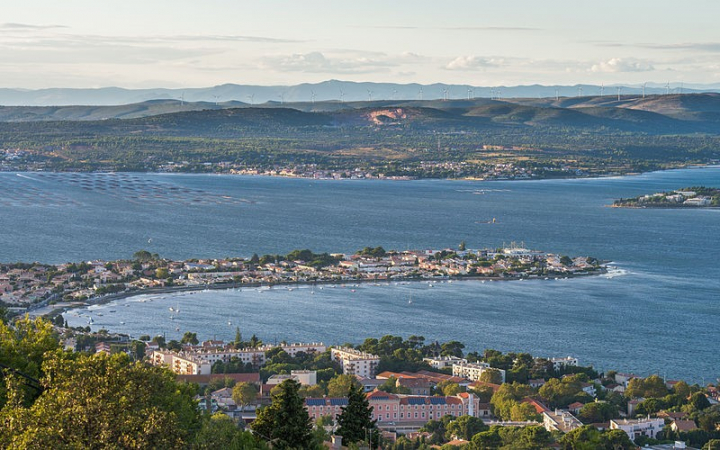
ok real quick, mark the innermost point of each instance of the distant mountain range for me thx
(341, 91)
(654, 114)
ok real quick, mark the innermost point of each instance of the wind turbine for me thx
(557, 94)
(216, 97)
(312, 96)
(251, 97)
(182, 99)
(420, 94)
(644, 84)
(282, 97)
(394, 94)
(370, 93)
(470, 92)
(602, 89)
(342, 96)
(580, 91)
(667, 88)
(618, 92)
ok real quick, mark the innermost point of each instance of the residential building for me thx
(180, 363)
(638, 427)
(395, 409)
(561, 363)
(473, 371)
(441, 362)
(355, 362)
(560, 420)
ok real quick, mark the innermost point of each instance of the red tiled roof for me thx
(539, 407)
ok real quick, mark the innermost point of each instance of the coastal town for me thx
(13, 160)
(34, 285)
(416, 390)
(692, 197)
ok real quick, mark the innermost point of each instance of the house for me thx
(561, 363)
(536, 383)
(683, 426)
(638, 427)
(575, 407)
(560, 420)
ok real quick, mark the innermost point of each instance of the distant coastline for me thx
(688, 197)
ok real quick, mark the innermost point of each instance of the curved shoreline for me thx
(226, 286)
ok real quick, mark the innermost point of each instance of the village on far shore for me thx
(692, 197)
(30, 287)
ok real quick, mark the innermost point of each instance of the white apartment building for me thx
(473, 371)
(355, 362)
(559, 363)
(638, 427)
(441, 362)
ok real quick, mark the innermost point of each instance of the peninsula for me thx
(690, 197)
(28, 286)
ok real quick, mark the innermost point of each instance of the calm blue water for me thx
(660, 313)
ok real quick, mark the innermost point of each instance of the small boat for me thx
(122, 323)
(90, 321)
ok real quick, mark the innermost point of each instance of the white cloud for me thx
(471, 63)
(616, 65)
(317, 62)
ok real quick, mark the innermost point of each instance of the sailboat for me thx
(90, 320)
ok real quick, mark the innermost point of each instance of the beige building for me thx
(355, 362)
(180, 363)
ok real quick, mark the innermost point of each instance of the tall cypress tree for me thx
(355, 422)
(285, 423)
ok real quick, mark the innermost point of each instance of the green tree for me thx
(447, 388)
(355, 422)
(162, 272)
(493, 376)
(142, 256)
(699, 401)
(23, 346)
(340, 385)
(285, 424)
(465, 427)
(189, 338)
(652, 386)
(244, 393)
(99, 401)
(596, 412)
(219, 432)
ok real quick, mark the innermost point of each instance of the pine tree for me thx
(355, 422)
(285, 423)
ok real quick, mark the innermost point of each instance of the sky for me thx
(192, 43)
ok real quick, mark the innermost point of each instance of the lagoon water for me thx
(659, 312)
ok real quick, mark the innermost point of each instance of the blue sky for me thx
(180, 43)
